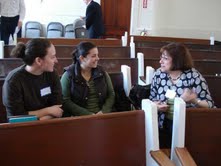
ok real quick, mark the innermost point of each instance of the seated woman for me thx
(87, 89)
(177, 76)
(34, 88)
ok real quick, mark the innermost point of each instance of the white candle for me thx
(125, 37)
(132, 50)
(123, 41)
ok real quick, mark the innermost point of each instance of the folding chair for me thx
(81, 32)
(55, 30)
(33, 29)
(69, 31)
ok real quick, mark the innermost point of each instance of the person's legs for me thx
(19, 32)
(8, 25)
(4, 30)
(13, 23)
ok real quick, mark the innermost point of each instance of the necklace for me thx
(174, 79)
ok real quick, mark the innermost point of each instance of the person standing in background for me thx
(12, 15)
(93, 19)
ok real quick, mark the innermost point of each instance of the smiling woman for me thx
(34, 88)
(176, 77)
(86, 87)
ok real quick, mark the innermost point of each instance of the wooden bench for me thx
(124, 138)
(184, 157)
(197, 54)
(197, 130)
(124, 52)
(207, 68)
(143, 39)
(64, 51)
(161, 158)
(117, 81)
(203, 135)
(158, 42)
(72, 42)
(109, 139)
(109, 64)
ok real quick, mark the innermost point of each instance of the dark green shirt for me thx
(24, 92)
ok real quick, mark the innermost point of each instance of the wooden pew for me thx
(184, 157)
(161, 158)
(158, 42)
(117, 81)
(3, 116)
(109, 64)
(205, 67)
(143, 39)
(203, 135)
(65, 41)
(197, 54)
(214, 82)
(108, 139)
(209, 67)
(64, 51)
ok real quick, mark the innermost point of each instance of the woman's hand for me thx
(189, 96)
(161, 106)
(55, 111)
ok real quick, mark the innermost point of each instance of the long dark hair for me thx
(32, 49)
(82, 49)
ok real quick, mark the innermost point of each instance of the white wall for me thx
(45, 11)
(174, 18)
(183, 18)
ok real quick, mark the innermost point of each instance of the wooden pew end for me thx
(184, 157)
(161, 158)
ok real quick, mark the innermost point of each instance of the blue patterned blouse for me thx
(191, 79)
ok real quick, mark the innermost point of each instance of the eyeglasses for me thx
(164, 57)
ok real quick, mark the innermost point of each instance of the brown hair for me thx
(181, 57)
(32, 49)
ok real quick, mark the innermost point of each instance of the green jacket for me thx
(75, 90)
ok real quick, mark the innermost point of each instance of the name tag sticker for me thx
(45, 91)
(170, 94)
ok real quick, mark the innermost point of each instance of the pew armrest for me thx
(161, 158)
(184, 157)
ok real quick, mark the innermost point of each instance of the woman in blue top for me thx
(176, 73)
(177, 76)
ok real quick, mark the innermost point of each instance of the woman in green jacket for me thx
(87, 89)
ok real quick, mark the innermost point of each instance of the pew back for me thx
(65, 51)
(110, 139)
(65, 41)
(203, 135)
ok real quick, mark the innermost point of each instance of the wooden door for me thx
(116, 17)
